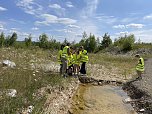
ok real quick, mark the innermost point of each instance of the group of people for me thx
(72, 61)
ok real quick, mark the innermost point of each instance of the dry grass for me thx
(125, 64)
(26, 80)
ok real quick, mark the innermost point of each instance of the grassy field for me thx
(126, 65)
(25, 80)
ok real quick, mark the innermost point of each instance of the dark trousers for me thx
(83, 68)
(61, 65)
(69, 70)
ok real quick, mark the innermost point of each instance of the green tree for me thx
(7, 41)
(125, 43)
(106, 42)
(13, 39)
(129, 42)
(84, 42)
(92, 43)
(2, 39)
(65, 41)
(84, 35)
(28, 41)
(43, 41)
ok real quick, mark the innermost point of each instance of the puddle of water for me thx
(100, 100)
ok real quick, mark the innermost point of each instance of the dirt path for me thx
(141, 90)
(146, 83)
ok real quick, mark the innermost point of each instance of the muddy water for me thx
(100, 100)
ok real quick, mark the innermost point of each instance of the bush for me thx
(126, 43)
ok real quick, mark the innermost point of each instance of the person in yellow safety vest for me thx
(76, 57)
(64, 59)
(59, 57)
(140, 66)
(70, 64)
(84, 59)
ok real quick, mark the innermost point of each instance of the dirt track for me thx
(146, 83)
(141, 90)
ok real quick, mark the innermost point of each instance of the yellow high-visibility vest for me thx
(76, 58)
(84, 56)
(65, 52)
(70, 60)
(59, 56)
(140, 65)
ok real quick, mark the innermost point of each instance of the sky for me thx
(61, 19)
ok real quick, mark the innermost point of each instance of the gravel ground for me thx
(146, 83)
(141, 90)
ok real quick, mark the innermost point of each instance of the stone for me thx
(8, 63)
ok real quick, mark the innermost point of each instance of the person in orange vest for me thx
(140, 66)
(59, 58)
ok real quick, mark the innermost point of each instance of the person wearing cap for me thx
(64, 59)
(139, 66)
(59, 58)
(84, 59)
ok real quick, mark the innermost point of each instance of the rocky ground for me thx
(141, 90)
(145, 84)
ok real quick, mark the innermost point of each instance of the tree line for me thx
(90, 42)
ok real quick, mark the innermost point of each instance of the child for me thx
(76, 57)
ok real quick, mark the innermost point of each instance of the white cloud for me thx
(144, 35)
(148, 17)
(119, 26)
(127, 20)
(14, 28)
(56, 6)
(89, 27)
(1, 27)
(17, 21)
(69, 4)
(106, 19)
(57, 9)
(66, 21)
(2, 9)
(49, 19)
(30, 7)
(133, 25)
(35, 28)
(39, 23)
(91, 6)
(73, 26)
(122, 33)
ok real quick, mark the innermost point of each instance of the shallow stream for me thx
(105, 99)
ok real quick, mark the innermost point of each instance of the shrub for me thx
(126, 43)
